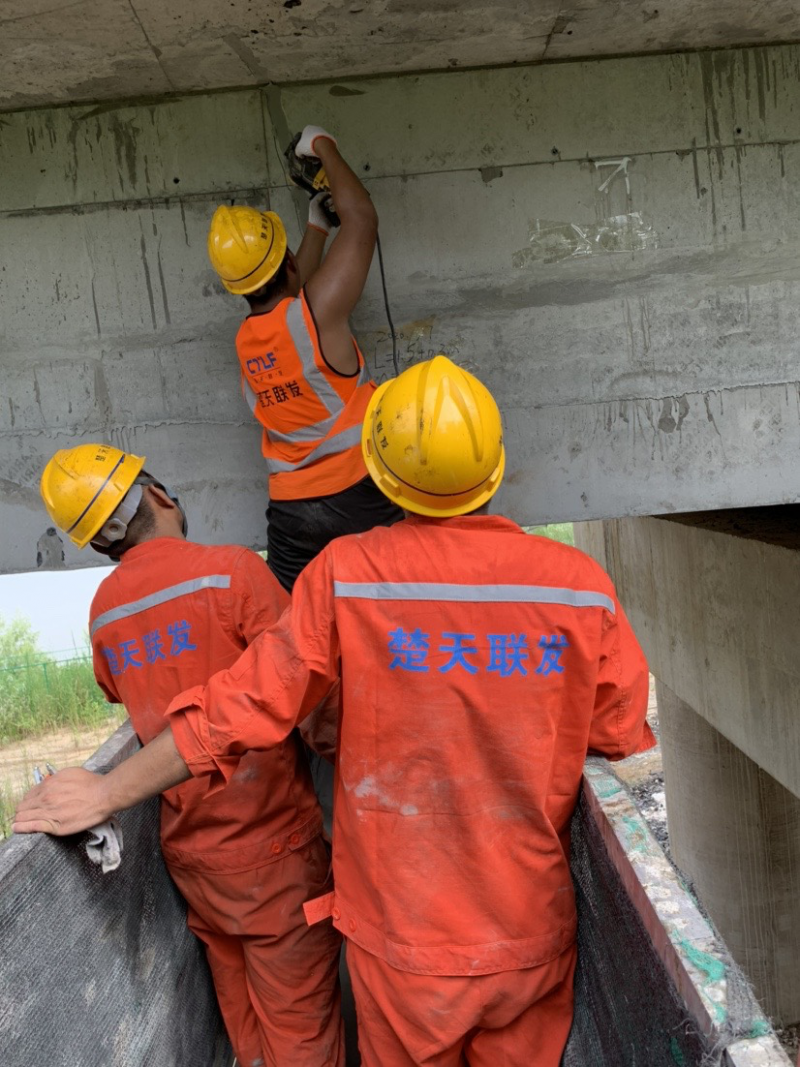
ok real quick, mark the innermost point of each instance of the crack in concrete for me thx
(246, 55)
(156, 51)
(40, 14)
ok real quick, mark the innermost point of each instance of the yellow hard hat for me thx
(433, 440)
(82, 487)
(246, 247)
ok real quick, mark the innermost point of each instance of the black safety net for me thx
(628, 1012)
(99, 970)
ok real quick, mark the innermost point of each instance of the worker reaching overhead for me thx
(479, 665)
(248, 857)
(303, 375)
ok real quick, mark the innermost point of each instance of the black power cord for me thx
(386, 305)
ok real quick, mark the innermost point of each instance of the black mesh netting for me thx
(628, 1012)
(99, 970)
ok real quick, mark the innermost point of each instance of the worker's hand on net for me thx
(304, 149)
(65, 803)
(316, 212)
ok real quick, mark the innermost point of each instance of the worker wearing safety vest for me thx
(302, 373)
(479, 665)
(247, 858)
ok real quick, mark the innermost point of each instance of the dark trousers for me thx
(298, 530)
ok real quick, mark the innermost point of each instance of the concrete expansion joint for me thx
(259, 191)
(213, 195)
(611, 402)
(104, 429)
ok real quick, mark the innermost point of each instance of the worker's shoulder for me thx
(105, 595)
(568, 559)
(225, 559)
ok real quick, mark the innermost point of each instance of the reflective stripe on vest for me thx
(163, 596)
(338, 443)
(298, 331)
(495, 594)
(327, 395)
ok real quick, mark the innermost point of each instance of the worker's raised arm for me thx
(334, 290)
(318, 228)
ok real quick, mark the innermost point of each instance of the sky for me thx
(55, 602)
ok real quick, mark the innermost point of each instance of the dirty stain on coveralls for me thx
(479, 665)
(247, 858)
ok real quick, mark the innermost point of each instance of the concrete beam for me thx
(636, 319)
(53, 53)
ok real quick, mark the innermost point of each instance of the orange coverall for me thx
(479, 665)
(248, 857)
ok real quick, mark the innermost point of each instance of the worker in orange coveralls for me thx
(478, 666)
(247, 858)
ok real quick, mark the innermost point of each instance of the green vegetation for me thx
(7, 808)
(558, 531)
(39, 694)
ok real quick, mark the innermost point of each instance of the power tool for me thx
(310, 175)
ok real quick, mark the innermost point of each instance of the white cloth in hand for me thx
(104, 846)
(305, 146)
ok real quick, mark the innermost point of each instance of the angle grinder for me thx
(309, 174)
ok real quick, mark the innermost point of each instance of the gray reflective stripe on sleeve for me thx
(496, 594)
(315, 432)
(339, 442)
(364, 375)
(194, 585)
(249, 395)
(296, 325)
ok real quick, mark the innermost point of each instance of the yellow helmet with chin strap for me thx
(83, 488)
(433, 440)
(246, 247)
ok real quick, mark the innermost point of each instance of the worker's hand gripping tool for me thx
(310, 175)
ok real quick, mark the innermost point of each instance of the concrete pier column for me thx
(735, 832)
(713, 599)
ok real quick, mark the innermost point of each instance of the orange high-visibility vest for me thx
(311, 414)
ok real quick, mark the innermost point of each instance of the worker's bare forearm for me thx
(350, 198)
(309, 254)
(151, 770)
(74, 799)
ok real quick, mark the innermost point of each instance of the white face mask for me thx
(116, 527)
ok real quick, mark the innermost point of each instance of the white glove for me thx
(305, 146)
(317, 218)
(104, 846)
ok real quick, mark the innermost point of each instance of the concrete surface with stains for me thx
(57, 52)
(611, 245)
(715, 607)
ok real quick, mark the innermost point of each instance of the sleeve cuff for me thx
(190, 732)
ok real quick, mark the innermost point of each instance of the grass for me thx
(40, 695)
(557, 531)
